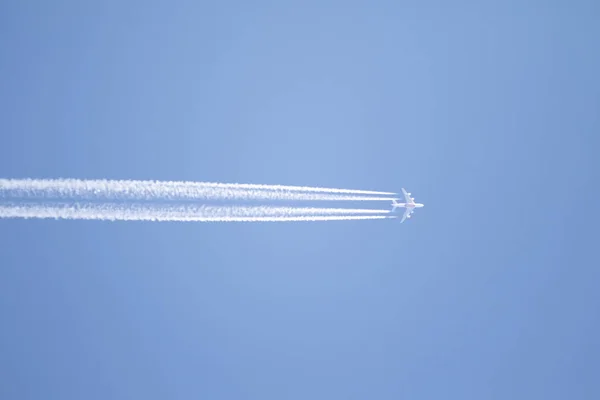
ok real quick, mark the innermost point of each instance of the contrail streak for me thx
(168, 190)
(181, 213)
(295, 188)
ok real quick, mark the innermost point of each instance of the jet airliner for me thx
(409, 204)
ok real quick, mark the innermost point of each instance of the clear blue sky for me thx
(489, 114)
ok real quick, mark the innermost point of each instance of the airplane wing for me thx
(407, 197)
(407, 213)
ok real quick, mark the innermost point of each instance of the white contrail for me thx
(168, 190)
(293, 188)
(182, 213)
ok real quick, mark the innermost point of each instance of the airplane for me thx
(409, 204)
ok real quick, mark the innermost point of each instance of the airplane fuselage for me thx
(409, 205)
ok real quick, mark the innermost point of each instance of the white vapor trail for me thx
(182, 213)
(296, 188)
(172, 190)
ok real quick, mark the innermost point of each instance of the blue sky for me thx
(487, 113)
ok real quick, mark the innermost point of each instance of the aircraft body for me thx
(409, 205)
